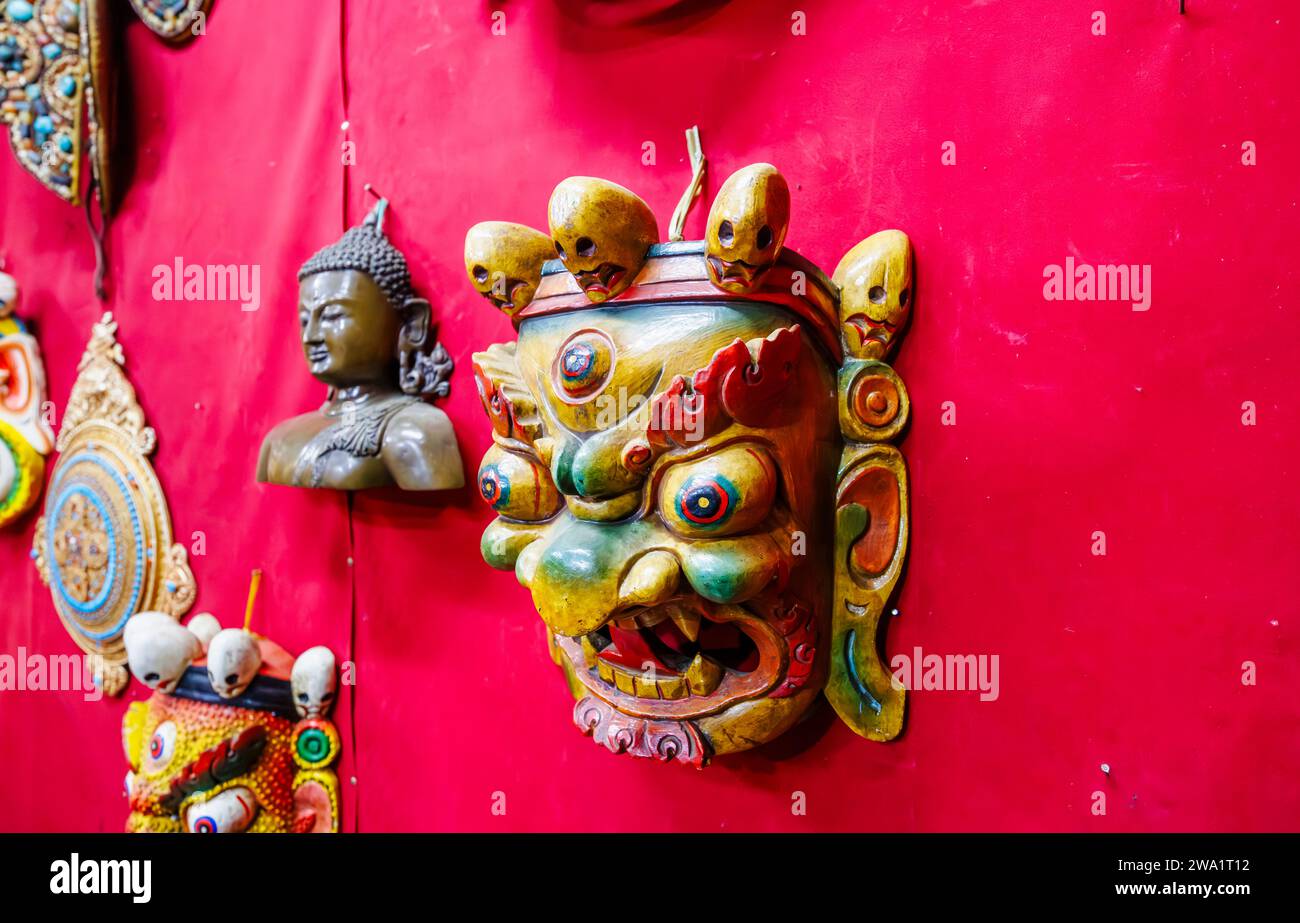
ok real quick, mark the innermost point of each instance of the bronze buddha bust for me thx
(368, 337)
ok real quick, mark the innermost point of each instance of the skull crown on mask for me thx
(746, 227)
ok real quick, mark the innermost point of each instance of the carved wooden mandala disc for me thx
(104, 545)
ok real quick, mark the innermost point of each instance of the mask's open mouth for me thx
(677, 660)
(870, 329)
(736, 272)
(601, 280)
(503, 295)
(668, 652)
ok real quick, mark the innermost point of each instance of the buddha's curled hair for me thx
(364, 248)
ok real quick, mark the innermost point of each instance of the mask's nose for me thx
(594, 469)
(581, 579)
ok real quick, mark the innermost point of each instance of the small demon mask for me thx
(25, 436)
(504, 262)
(875, 280)
(601, 233)
(746, 227)
(664, 468)
(204, 761)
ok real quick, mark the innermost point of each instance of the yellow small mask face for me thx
(601, 232)
(875, 280)
(747, 227)
(165, 738)
(504, 262)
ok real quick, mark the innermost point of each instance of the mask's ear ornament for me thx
(746, 227)
(602, 233)
(59, 75)
(504, 262)
(871, 500)
(876, 292)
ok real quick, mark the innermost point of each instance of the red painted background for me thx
(1072, 417)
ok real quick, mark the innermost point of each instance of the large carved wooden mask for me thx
(693, 469)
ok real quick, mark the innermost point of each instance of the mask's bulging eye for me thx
(903, 297)
(764, 238)
(559, 249)
(706, 501)
(728, 492)
(726, 234)
(877, 294)
(230, 811)
(480, 274)
(494, 487)
(586, 246)
(162, 745)
(517, 486)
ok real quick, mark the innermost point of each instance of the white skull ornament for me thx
(314, 680)
(205, 627)
(158, 650)
(233, 662)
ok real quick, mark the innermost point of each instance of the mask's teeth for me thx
(687, 622)
(650, 618)
(704, 675)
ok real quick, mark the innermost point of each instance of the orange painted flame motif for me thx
(499, 408)
(735, 385)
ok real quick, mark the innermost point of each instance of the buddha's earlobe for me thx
(417, 319)
(425, 365)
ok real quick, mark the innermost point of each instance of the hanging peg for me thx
(677, 226)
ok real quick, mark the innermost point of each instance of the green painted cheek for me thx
(731, 571)
(502, 542)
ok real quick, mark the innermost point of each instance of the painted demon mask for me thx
(668, 471)
(235, 738)
(25, 436)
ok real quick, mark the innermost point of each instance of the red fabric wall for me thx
(1071, 416)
